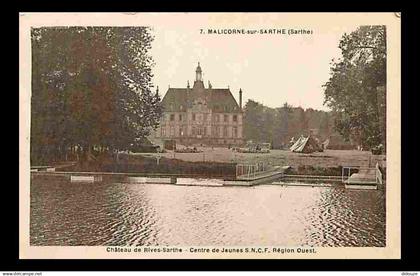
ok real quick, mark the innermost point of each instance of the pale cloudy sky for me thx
(271, 69)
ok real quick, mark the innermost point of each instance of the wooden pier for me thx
(366, 178)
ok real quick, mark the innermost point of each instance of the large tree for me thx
(356, 90)
(282, 129)
(254, 121)
(91, 87)
(324, 126)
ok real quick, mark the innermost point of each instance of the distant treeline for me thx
(278, 125)
(355, 92)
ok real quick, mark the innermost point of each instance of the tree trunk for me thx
(89, 153)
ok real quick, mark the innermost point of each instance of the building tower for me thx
(240, 99)
(198, 73)
(198, 83)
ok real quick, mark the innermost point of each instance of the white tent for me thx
(305, 145)
(297, 143)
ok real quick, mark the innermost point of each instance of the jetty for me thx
(258, 173)
(52, 168)
(251, 175)
(365, 178)
(303, 184)
(246, 175)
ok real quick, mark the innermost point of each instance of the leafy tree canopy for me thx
(356, 90)
(91, 86)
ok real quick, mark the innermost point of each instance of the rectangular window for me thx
(225, 132)
(225, 118)
(172, 118)
(216, 117)
(235, 132)
(172, 133)
(235, 118)
(193, 116)
(163, 131)
(180, 117)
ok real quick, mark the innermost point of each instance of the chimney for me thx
(240, 99)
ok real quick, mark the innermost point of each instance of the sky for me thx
(270, 69)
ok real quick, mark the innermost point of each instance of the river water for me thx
(120, 214)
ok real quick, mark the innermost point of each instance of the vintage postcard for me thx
(210, 135)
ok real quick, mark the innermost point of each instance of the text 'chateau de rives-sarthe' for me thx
(200, 115)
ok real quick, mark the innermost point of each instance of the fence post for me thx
(349, 175)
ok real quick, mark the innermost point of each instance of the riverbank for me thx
(326, 159)
(153, 165)
(221, 163)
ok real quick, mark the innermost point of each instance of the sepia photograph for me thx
(210, 135)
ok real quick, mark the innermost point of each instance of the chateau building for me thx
(199, 115)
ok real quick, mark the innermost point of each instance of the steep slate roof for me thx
(218, 99)
(221, 99)
(175, 98)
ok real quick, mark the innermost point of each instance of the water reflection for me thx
(120, 214)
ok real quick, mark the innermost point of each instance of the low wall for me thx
(149, 165)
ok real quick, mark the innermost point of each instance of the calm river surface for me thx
(117, 214)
